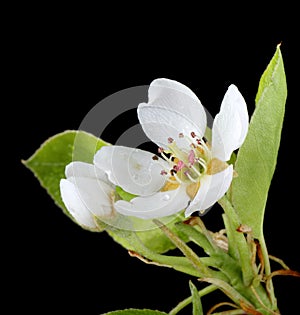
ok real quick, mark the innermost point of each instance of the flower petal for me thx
(132, 169)
(157, 205)
(230, 125)
(74, 204)
(172, 109)
(95, 195)
(212, 188)
(82, 169)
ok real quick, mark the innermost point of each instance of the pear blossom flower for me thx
(189, 171)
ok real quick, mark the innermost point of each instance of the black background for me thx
(60, 70)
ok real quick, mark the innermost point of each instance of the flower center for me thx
(186, 165)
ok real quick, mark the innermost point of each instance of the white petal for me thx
(237, 98)
(172, 109)
(82, 169)
(74, 204)
(158, 205)
(212, 188)
(230, 125)
(132, 169)
(94, 194)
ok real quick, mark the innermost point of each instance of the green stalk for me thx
(139, 250)
(239, 240)
(233, 294)
(188, 300)
(196, 236)
(186, 250)
(232, 250)
(270, 287)
(230, 268)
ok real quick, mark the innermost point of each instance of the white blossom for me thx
(189, 172)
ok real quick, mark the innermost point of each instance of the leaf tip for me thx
(25, 162)
(278, 50)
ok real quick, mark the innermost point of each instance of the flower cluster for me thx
(190, 170)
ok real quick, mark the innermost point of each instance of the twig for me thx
(279, 261)
(220, 305)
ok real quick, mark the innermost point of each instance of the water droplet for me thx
(166, 197)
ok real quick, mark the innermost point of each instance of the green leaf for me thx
(132, 311)
(157, 241)
(257, 157)
(49, 161)
(197, 306)
(153, 238)
(139, 250)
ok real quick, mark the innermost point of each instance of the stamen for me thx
(166, 158)
(205, 147)
(191, 142)
(191, 157)
(178, 152)
(190, 177)
(180, 165)
(195, 170)
(155, 157)
(177, 178)
(202, 163)
(173, 172)
(183, 161)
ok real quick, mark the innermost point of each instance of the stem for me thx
(188, 300)
(196, 236)
(233, 294)
(232, 250)
(279, 261)
(220, 305)
(186, 250)
(245, 258)
(265, 254)
(284, 272)
(269, 284)
(205, 232)
(239, 241)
